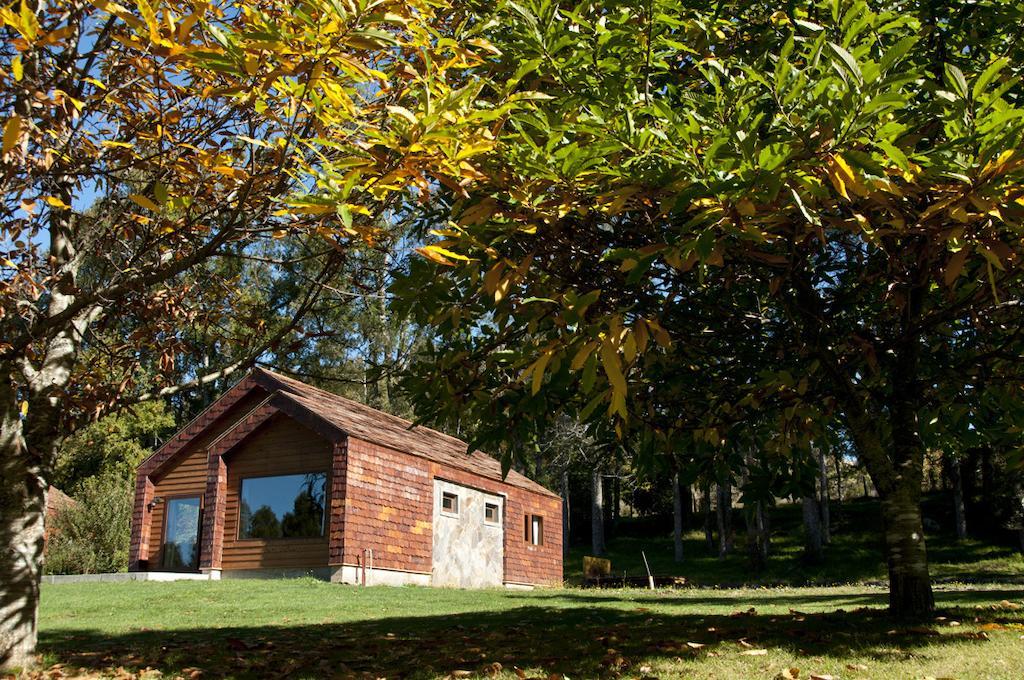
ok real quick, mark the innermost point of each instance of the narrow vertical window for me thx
(537, 530)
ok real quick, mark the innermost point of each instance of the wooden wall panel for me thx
(280, 447)
(186, 475)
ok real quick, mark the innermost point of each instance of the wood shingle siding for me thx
(380, 478)
(280, 447)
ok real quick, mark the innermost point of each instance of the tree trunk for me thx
(910, 588)
(826, 522)
(596, 513)
(22, 511)
(677, 517)
(959, 514)
(705, 506)
(812, 529)
(757, 536)
(724, 513)
(565, 512)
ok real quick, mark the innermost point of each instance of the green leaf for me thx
(987, 75)
(955, 79)
(848, 62)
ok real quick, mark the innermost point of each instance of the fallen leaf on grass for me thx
(815, 676)
(694, 645)
(856, 667)
(788, 674)
(754, 652)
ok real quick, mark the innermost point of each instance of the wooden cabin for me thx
(279, 478)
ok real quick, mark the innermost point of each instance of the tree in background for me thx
(150, 153)
(113, 445)
(847, 179)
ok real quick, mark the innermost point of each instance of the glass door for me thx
(181, 534)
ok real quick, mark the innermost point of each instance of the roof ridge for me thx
(294, 388)
(331, 395)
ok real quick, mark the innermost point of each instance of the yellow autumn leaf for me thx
(501, 290)
(55, 202)
(610, 362)
(12, 132)
(582, 355)
(17, 68)
(444, 252)
(538, 371)
(144, 201)
(431, 253)
(24, 408)
(492, 277)
(844, 178)
(403, 113)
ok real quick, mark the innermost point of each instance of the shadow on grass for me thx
(583, 641)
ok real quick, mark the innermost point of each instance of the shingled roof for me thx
(378, 427)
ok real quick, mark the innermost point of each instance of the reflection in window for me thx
(181, 534)
(288, 506)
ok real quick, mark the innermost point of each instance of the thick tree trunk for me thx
(812, 529)
(677, 517)
(826, 520)
(956, 479)
(596, 513)
(22, 509)
(565, 512)
(724, 514)
(910, 588)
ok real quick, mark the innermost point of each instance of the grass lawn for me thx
(306, 628)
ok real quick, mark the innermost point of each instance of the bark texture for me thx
(910, 588)
(22, 511)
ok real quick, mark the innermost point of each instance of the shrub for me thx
(92, 535)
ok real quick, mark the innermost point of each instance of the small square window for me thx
(492, 513)
(450, 503)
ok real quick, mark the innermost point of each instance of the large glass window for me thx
(181, 534)
(288, 506)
